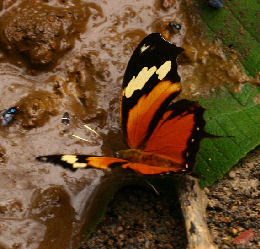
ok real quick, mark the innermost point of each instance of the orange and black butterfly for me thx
(163, 135)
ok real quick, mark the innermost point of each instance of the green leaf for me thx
(236, 117)
(236, 24)
(233, 115)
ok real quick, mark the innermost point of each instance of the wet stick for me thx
(193, 202)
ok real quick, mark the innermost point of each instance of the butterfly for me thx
(163, 135)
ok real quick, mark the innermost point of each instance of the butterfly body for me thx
(163, 135)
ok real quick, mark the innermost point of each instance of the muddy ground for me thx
(60, 56)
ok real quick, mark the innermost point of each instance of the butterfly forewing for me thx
(150, 83)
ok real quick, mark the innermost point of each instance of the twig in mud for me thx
(193, 202)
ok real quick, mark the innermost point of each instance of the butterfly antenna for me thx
(152, 186)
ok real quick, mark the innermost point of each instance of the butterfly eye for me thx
(171, 24)
(178, 26)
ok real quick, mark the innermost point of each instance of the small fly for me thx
(8, 115)
(65, 119)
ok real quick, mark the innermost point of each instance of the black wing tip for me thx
(42, 158)
(55, 159)
(49, 158)
(157, 38)
(153, 50)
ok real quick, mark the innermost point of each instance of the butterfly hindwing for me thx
(150, 83)
(177, 133)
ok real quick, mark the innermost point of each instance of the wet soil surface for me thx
(137, 218)
(69, 56)
(40, 31)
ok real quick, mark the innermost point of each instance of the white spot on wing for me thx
(69, 158)
(138, 82)
(79, 165)
(72, 159)
(144, 47)
(164, 69)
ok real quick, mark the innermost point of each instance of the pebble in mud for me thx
(41, 32)
(2, 155)
(167, 4)
(11, 208)
(37, 108)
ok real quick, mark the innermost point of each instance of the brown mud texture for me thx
(60, 56)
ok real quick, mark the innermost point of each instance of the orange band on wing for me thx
(103, 162)
(143, 112)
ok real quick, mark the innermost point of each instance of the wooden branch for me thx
(193, 204)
